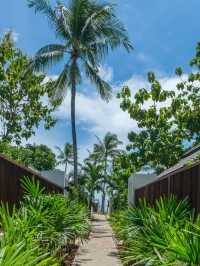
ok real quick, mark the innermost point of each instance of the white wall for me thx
(131, 191)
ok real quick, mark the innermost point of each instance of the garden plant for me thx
(43, 230)
(166, 234)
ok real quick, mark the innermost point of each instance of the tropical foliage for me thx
(87, 30)
(91, 180)
(43, 230)
(105, 172)
(21, 105)
(98, 167)
(166, 234)
(106, 150)
(117, 190)
(166, 118)
(40, 157)
(65, 158)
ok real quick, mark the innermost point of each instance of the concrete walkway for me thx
(100, 250)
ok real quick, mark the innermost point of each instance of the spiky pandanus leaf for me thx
(163, 235)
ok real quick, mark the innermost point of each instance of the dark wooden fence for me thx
(11, 174)
(183, 183)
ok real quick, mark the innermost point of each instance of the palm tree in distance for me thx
(65, 156)
(87, 31)
(106, 150)
(91, 180)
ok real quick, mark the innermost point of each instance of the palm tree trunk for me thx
(103, 199)
(65, 181)
(90, 202)
(110, 204)
(73, 125)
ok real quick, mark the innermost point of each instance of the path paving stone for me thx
(100, 250)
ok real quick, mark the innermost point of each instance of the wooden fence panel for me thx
(164, 188)
(11, 174)
(198, 190)
(139, 194)
(152, 191)
(183, 184)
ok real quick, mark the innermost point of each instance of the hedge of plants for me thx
(43, 230)
(167, 234)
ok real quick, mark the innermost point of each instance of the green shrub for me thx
(41, 227)
(163, 235)
(19, 255)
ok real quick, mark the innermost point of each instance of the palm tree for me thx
(91, 180)
(92, 158)
(87, 30)
(65, 156)
(106, 150)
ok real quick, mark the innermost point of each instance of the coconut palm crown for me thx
(92, 180)
(65, 156)
(87, 30)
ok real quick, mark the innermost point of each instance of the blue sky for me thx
(164, 34)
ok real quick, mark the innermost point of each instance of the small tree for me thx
(122, 169)
(42, 158)
(91, 180)
(165, 118)
(65, 157)
(21, 96)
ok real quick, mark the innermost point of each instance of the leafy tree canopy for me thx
(122, 169)
(23, 97)
(40, 157)
(165, 118)
(65, 156)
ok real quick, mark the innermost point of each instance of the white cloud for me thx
(97, 117)
(142, 57)
(106, 73)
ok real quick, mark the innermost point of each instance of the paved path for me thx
(100, 250)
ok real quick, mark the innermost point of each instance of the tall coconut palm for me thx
(87, 31)
(91, 179)
(106, 150)
(65, 156)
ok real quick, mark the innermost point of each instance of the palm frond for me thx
(102, 24)
(103, 87)
(93, 17)
(63, 21)
(62, 84)
(50, 49)
(114, 32)
(44, 7)
(48, 56)
(54, 19)
(65, 156)
(61, 155)
(89, 29)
